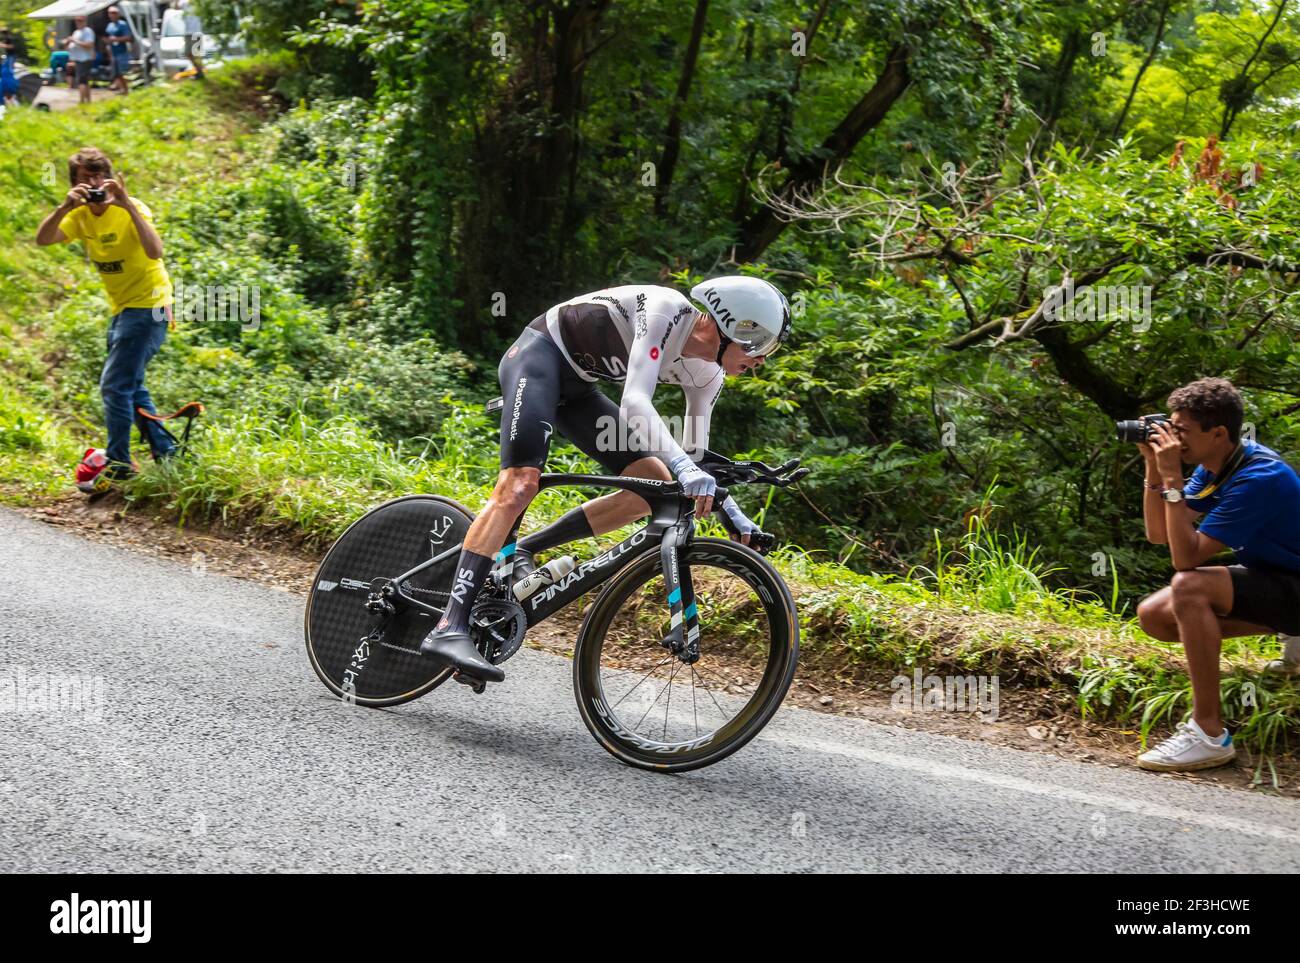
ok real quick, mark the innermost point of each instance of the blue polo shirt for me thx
(117, 33)
(1257, 514)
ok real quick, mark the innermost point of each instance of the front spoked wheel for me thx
(655, 711)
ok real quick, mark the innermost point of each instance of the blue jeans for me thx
(134, 337)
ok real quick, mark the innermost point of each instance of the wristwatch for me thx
(1172, 495)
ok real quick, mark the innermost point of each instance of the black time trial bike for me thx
(682, 658)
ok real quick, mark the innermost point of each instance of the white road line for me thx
(941, 770)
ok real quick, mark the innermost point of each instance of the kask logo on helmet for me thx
(719, 311)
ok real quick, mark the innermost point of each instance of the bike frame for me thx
(672, 522)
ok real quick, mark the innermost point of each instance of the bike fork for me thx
(683, 638)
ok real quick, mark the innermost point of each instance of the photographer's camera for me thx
(1139, 429)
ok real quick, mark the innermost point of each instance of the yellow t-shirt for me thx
(131, 278)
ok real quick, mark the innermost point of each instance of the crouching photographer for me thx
(1248, 500)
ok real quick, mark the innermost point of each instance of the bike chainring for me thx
(498, 626)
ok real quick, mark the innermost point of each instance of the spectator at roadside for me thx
(81, 51)
(118, 234)
(118, 36)
(8, 81)
(1289, 664)
(1246, 499)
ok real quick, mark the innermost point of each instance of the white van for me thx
(176, 25)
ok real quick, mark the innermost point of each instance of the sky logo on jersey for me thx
(654, 353)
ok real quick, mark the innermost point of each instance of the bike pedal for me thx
(478, 685)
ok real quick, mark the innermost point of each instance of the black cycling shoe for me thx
(457, 650)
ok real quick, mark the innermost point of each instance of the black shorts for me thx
(542, 395)
(1269, 597)
(81, 69)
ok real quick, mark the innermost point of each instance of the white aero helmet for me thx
(749, 311)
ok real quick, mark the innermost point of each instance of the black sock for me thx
(471, 570)
(569, 526)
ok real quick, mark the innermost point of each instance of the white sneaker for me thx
(1189, 748)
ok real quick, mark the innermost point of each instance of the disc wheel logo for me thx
(654, 354)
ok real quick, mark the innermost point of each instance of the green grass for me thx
(997, 572)
(37, 451)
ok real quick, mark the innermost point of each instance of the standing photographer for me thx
(120, 239)
(1250, 502)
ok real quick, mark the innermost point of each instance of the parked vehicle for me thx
(171, 43)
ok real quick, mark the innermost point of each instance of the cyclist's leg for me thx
(515, 489)
(530, 385)
(575, 419)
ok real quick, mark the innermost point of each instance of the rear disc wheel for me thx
(382, 544)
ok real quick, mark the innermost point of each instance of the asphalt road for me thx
(205, 743)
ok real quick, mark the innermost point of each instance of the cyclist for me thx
(639, 335)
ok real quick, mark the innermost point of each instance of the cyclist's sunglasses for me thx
(757, 341)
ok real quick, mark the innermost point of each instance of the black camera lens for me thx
(96, 195)
(1131, 431)
(1139, 429)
